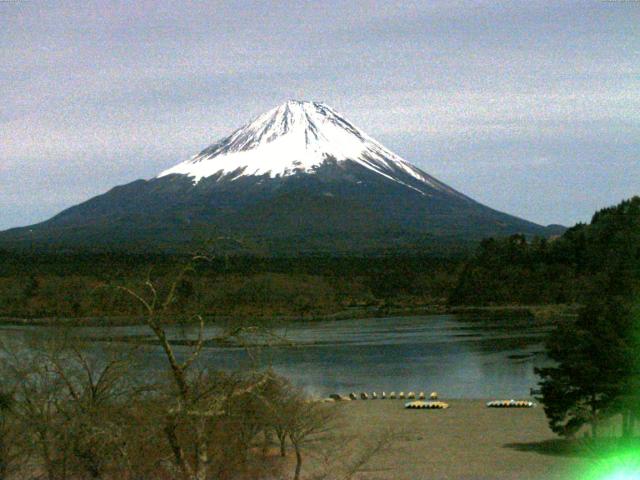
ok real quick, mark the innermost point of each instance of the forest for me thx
(509, 271)
(566, 269)
(73, 286)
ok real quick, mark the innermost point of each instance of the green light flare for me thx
(623, 465)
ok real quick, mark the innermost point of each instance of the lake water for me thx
(460, 357)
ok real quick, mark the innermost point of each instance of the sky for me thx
(532, 108)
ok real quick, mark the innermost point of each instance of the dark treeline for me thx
(506, 271)
(113, 264)
(77, 285)
(563, 270)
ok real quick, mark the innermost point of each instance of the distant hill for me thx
(562, 270)
(298, 179)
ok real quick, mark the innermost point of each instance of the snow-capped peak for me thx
(296, 137)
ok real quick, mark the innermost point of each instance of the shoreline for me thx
(541, 313)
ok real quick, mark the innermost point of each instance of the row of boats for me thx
(419, 404)
(510, 404)
(384, 396)
(418, 401)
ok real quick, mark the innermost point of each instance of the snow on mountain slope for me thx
(298, 137)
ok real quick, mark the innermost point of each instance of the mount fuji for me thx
(298, 137)
(298, 179)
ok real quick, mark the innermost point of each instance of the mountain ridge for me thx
(299, 178)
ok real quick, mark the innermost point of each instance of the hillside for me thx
(562, 270)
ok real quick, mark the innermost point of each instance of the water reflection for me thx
(459, 357)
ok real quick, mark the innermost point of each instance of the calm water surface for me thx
(460, 357)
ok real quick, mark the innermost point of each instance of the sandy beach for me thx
(467, 441)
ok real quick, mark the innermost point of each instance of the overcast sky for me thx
(532, 108)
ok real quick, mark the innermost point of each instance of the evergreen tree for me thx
(598, 356)
(598, 365)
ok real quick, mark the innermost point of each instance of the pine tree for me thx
(597, 369)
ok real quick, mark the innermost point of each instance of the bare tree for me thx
(277, 396)
(12, 453)
(97, 392)
(69, 405)
(307, 421)
(187, 401)
(37, 396)
(195, 400)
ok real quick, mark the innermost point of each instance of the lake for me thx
(458, 356)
